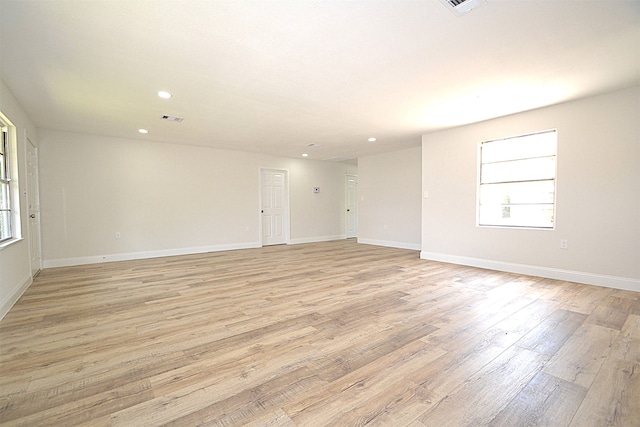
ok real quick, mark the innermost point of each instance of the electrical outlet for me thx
(118, 235)
(564, 244)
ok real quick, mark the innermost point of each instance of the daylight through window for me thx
(5, 193)
(517, 181)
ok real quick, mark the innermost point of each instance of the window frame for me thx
(10, 182)
(479, 187)
(5, 180)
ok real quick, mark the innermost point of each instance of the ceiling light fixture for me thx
(372, 139)
(305, 155)
(143, 131)
(164, 94)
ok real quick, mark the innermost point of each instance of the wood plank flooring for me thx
(324, 334)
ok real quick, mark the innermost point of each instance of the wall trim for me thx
(625, 283)
(130, 256)
(14, 296)
(390, 244)
(317, 239)
(67, 262)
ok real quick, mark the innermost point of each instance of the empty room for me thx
(320, 213)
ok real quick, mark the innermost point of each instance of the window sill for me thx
(516, 227)
(9, 242)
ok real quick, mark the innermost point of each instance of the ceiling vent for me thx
(172, 118)
(461, 7)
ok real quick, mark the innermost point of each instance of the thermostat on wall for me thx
(316, 189)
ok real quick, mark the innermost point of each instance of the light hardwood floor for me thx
(333, 333)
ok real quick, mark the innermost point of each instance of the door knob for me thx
(32, 216)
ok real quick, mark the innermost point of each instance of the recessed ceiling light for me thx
(305, 155)
(143, 131)
(165, 95)
(372, 139)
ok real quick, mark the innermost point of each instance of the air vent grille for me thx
(461, 7)
(172, 118)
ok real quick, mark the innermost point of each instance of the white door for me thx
(352, 206)
(33, 201)
(274, 207)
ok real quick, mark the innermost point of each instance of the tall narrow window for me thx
(517, 181)
(5, 190)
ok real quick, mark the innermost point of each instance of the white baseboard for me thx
(317, 239)
(96, 259)
(66, 262)
(14, 296)
(625, 283)
(389, 244)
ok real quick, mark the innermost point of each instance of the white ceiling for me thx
(274, 76)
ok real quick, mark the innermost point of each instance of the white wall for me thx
(598, 195)
(318, 216)
(389, 194)
(15, 269)
(168, 199)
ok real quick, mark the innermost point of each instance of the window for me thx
(5, 201)
(517, 181)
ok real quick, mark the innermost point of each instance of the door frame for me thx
(35, 269)
(346, 202)
(287, 208)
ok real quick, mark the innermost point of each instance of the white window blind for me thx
(5, 190)
(517, 181)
